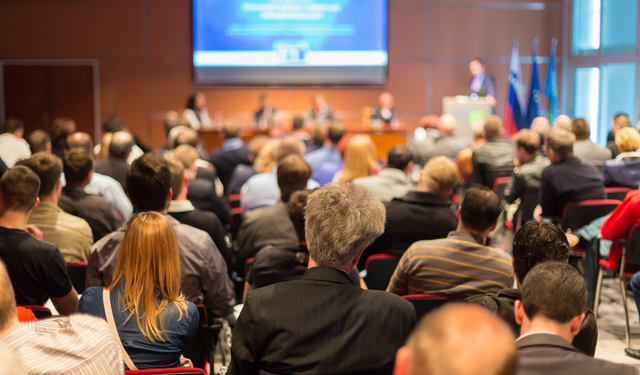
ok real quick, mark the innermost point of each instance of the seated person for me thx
(154, 322)
(424, 214)
(392, 181)
(459, 339)
(264, 116)
(550, 312)
(494, 159)
(39, 141)
(385, 111)
(567, 179)
(94, 209)
(448, 144)
(243, 172)
(536, 243)
(116, 164)
(74, 345)
(321, 111)
(584, 148)
(72, 234)
(329, 152)
(232, 153)
(272, 225)
(324, 322)
(624, 170)
(36, 268)
(461, 263)
(12, 145)
(619, 121)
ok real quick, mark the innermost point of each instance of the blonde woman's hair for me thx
(266, 159)
(359, 158)
(148, 261)
(628, 139)
(105, 141)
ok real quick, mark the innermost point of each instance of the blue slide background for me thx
(212, 19)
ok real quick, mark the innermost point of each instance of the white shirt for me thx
(13, 149)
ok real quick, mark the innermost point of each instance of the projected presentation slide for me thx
(290, 42)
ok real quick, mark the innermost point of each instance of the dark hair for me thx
(581, 128)
(48, 167)
(298, 123)
(191, 102)
(478, 59)
(537, 242)
(399, 157)
(38, 141)
(120, 146)
(148, 182)
(492, 127)
(480, 208)
(293, 174)
(20, 187)
(528, 140)
(60, 129)
(77, 165)
(297, 205)
(84, 142)
(336, 132)
(555, 291)
(620, 114)
(113, 125)
(12, 124)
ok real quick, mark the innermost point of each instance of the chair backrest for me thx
(578, 214)
(499, 185)
(380, 269)
(617, 193)
(632, 246)
(40, 312)
(77, 272)
(527, 207)
(234, 200)
(167, 371)
(425, 303)
(247, 264)
(203, 341)
(235, 221)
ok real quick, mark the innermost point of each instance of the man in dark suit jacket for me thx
(116, 166)
(232, 153)
(495, 158)
(482, 83)
(323, 324)
(550, 313)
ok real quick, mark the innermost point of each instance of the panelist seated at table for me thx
(264, 116)
(196, 113)
(321, 111)
(385, 111)
(482, 83)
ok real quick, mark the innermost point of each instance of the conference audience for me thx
(271, 225)
(424, 138)
(232, 153)
(36, 268)
(624, 170)
(39, 141)
(94, 209)
(116, 165)
(461, 263)
(188, 136)
(542, 126)
(75, 345)
(316, 139)
(533, 244)
(619, 121)
(328, 153)
(61, 128)
(359, 159)
(563, 122)
(424, 214)
(12, 145)
(584, 148)
(394, 180)
(464, 157)
(448, 144)
(243, 172)
(143, 304)
(72, 234)
(567, 179)
(458, 340)
(111, 126)
(196, 114)
(385, 111)
(550, 312)
(495, 158)
(321, 111)
(342, 219)
(203, 270)
(298, 130)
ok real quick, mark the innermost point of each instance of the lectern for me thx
(466, 110)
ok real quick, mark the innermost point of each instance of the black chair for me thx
(617, 193)
(425, 303)
(527, 207)
(499, 185)
(167, 371)
(380, 269)
(204, 341)
(77, 272)
(234, 200)
(235, 221)
(40, 312)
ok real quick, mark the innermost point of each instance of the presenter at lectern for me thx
(385, 112)
(482, 83)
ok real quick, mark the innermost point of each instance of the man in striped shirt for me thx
(461, 263)
(12, 146)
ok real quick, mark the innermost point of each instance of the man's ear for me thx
(458, 213)
(518, 310)
(576, 323)
(58, 185)
(403, 356)
(89, 177)
(355, 261)
(185, 180)
(493, 227)
(169, 195)
(35, 205)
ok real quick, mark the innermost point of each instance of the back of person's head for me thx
(563, 122)
(148, 182)
(12, 125)
(187, 137)
(477, 128)
(293, 174)
(77, 165)
(493, 127)
(447, 125)
(256, 144)
(621, 120)
(628, 139)
(429, 121)
(298, 123)
(480, 208)
(335, 132)
(39, 141)
(317, 135)
(61, 128)
(581, 128)
(177, 174)
(341, 220)
(266, 159)
(113, 125)
(105, 141)
(560, 143)
(359, 158)
(48, 167)
(149, 263)
(459, 339)
(555, 291)
(19, 187)
(187, 155)
(7, 299)
(80, 140)
(528, 140)
(231, 129)
(290, 146)
(297, 205)
(171, 121)
(541, 125)
(439, 175)
(399, 157)
(537, 242)
(121, 144)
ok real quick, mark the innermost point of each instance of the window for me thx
(587, 92)
(586, 26)
(619, 24)
(618, 94)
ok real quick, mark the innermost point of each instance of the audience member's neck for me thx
(328, 144)
(541, 324)
(582, 138)
(14, 219)
(10, 327)
(182, 196)
(426, 189)
(482, 235)
(52, 198)
(313, 264)
(77, 184)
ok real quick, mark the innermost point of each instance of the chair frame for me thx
(616, 190)
(167, 371)
(42, 309)
(378, 256)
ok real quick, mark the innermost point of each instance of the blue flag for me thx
(551, 85)
(533, 108)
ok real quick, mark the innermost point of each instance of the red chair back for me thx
(40, 312)
(247, 264)
(77, 272)
(617, 193)
(234, 200)
(166, 371)
(380, 269)
(425, 303)
(499, 185)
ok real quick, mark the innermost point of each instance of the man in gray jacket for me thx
(393, 181)
(586, 150)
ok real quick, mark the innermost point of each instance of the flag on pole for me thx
(514, 114)
(533, 108)
(551, 84)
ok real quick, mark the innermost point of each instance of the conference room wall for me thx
(144, 53)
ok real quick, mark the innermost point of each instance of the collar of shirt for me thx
(181, 206)
(393, 174)
(49, 207)
(232, 144)
(631, 154)
(465, 236)
(536, 333)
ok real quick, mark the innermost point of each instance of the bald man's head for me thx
(447, 125)
(459, 340)
(563, 122)
(80, 140)
(121, 144)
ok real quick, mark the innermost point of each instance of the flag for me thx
(551, 84)
(514, 114)
(533, 108)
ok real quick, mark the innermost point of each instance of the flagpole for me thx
(554, 45)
